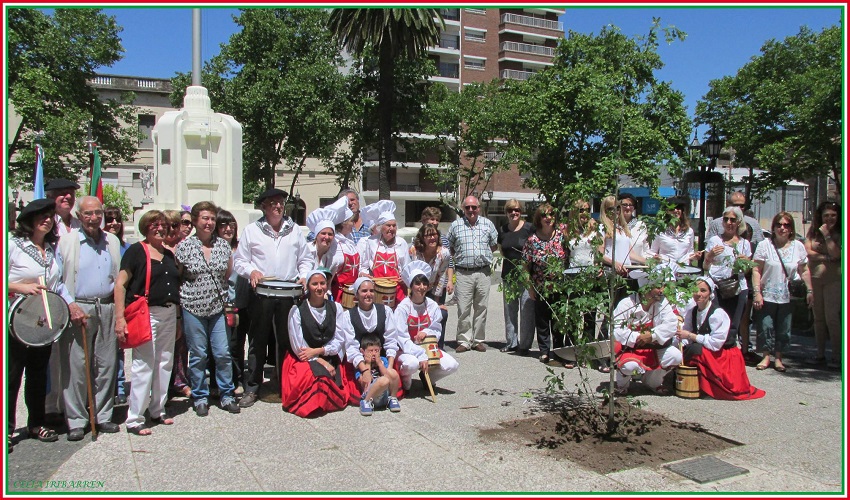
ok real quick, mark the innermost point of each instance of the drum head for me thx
(688, 270)
(572, 271)
(278, 284)
(28, 320)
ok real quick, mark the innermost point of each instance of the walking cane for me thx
(92, 415)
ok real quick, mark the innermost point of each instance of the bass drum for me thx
(28, 322)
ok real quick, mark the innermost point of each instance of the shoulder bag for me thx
(137, 314)
(796, 288)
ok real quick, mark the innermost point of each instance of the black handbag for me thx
(796, 288)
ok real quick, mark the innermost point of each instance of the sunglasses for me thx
(471, 207)
(583, 210)
(174, 225)
(231, 225)
(109, 219)
(513, 211)
(782, 224)
(185, 222)
(548, 214)
(730, 219)
(627, 205)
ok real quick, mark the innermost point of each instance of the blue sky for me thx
(158, 41)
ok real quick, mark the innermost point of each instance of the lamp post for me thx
(711, 149)
(488, 196)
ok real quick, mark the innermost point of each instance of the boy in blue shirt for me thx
(384, 385)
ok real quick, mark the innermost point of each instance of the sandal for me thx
(139, 430)
(44, 434)
(763, 365)
(778, 366)
(163, 420)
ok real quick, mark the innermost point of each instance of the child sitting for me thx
(383, 387)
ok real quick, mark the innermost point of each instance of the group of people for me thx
(350, 313)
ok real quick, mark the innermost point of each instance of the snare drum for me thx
(429, 343)
(278, 289)
(385, 290)
(28, 321)
(688, 270)
(347, 297)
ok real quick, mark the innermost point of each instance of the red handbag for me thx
(137, 314)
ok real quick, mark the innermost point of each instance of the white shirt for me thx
(296, 336)
(407, 309)
(629, 315)
(582, 250)
(24, 269)
(621, 253)
(637, 230)
(331, 260)
(374, 244)
(774, 284)
(721, 266)
(677, 248)
(719, 323)
(286, 258)
(62, 229)
(370, 323)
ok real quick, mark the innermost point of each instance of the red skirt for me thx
(307, 395)
(723, 375)
(646, 358)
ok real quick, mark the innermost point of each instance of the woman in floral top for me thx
(547, 243)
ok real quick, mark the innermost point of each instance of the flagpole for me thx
(90, 143)
(38, 177)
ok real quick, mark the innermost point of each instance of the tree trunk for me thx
(385, 105)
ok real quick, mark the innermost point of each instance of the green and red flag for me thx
(96, 184)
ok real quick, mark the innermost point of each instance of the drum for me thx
(347, 297)
(385, 292)
(279, 289)
(28, 321)
(429, 343)
(572, 272)
(687, 382)
(692, 271)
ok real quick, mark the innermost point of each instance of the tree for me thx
(782, 111)
(465, 126)
(598, 112)
(279, 78)
(393, 35)
(51, 60)
(113, 196)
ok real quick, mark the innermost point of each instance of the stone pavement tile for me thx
(651, 479)
(812, 455)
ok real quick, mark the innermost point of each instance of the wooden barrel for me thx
(687, 382)
(385, 292)
(429, 343)
(347, 297)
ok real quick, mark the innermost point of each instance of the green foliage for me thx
(782, 111)
(51, 59)
(114, 197)
(278, 77)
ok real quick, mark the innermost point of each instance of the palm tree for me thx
(393, 34)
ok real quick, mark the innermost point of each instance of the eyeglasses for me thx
(273, 203)
(109, 219)
(782, 224)
(471, 207)
(730, 219)
(548, 214)
(513, 211)
(186, 222)
(92, 213)
(583, 210)
(231, 225)
(627, 205)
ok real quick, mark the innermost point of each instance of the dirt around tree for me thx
(571, 428)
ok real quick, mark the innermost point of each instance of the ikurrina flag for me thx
(96, 184)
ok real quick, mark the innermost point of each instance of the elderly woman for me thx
(418, 316)
(384, 255)
(706, 345)
(152, 361)
(238, 294)
(113, 222)
(779, 259)
(312, 379)
(204, 263)
(428, 248)
(823, 246)
(519, 312)
(720, 255)
(324, 250)
(32, 256)
(547, 243)
(676, 244)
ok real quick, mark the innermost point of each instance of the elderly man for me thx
(273, 247)
(360, 229)
(472, 239)
(736, 199)
(97, 254)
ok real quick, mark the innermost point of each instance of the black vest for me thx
(360, 330)
(705, 328)
(316, 335)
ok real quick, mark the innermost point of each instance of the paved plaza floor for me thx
(792, 441)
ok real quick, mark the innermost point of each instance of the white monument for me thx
(198, 157)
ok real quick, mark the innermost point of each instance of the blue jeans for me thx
(205, 333)
(519, 321)
(773, 327)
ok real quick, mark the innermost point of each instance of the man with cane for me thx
(87, 348)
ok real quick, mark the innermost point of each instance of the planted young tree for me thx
(278, 76)
(597, 114)
(782, 112)
(51, 60)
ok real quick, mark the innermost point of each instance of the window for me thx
(146, 124)
(474, 35)
(473, 63)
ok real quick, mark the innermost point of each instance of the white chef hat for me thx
(413, 269)
(344, 213)
(378, 213)
(326, 217)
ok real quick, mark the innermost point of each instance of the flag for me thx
(38, 178)
(96, 184)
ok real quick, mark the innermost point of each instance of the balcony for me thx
(527, 48)
(513, 74)
(449, 70)
(450, 14)
(533, 22)
(130, 83)
(449, 42)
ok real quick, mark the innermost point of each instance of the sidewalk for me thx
(792, 440)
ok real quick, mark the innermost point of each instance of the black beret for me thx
(270, 193)
(55, 184)
(679, 201)
(36, 207)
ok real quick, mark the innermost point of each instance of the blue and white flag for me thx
(38, 183)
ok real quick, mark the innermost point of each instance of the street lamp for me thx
(710, 149)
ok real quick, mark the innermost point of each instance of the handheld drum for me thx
(279, 289)
(29, 323)
(385, 292)
(429, 343)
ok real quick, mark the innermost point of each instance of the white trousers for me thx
(668, 358)
(151, 369)
(410, 366)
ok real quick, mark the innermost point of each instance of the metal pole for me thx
(702, 210)
(196, 47)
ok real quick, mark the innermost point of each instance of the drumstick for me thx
(430, 387)
(44, 301)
